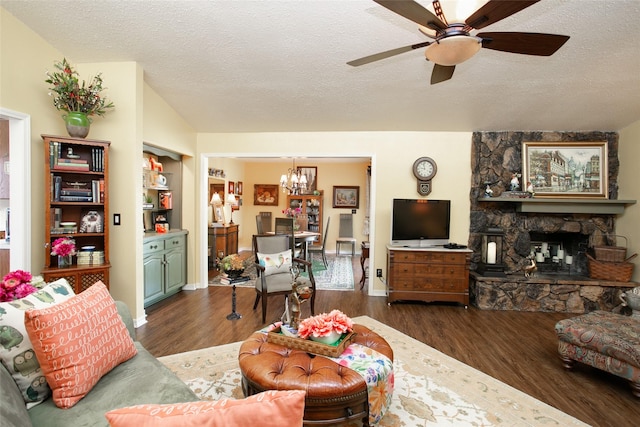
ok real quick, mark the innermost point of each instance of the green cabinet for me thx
(165, 265)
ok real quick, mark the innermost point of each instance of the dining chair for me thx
(345, 233)
(321, 248)
(259, 226)
(286, 226)
(266, 222)
(274, 262)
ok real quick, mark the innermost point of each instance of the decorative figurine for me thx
(530, 189)
(530, 269)
(488, 192)
(299, 294)
(515, 183)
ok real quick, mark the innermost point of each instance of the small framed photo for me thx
(239, 188)
(346, 196)
(265, 194)
(165, 200)
(231, 188)
(158, 218)
(218, 213)
(566, 169)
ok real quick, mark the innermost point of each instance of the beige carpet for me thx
(431, 388)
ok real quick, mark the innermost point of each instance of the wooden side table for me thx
(365, 256)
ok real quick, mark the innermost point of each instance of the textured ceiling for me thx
(280, 65)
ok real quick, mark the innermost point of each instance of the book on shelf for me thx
(90, 257)
(73, 191)
(63, 230)
(76, 198)
(226, 280)
(71, 167)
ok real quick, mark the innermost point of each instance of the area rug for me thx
(431, 388)
(337, 276)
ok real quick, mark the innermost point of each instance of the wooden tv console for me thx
(428, 274)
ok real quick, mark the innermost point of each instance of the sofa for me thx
(139, 380)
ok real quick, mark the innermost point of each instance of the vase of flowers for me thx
(293, 213)
(18, 284)
(326, 328)
(79, 100)
(64, 248)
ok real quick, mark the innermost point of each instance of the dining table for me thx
(304, 237)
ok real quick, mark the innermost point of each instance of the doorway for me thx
(19, 126)
(202, 240)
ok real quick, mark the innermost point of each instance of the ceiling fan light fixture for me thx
(453, 50)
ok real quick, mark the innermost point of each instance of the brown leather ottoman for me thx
(334, 393)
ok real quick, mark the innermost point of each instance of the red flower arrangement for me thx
(18, 284)
(63, 246)
(292, 212)
(325, 324)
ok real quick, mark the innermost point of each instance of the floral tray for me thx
(277, 337)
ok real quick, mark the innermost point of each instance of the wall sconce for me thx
(491, 263)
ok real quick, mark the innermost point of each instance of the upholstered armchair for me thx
(273, 263)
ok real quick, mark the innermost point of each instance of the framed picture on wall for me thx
(265, 194)
(311, 173)
(345, 196)
(239, 188)
(566, 169)
(231, 188)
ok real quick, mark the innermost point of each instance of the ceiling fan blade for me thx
(414, 12)
(526, 43)
(496, 10)
(441, 73)
(386, 54)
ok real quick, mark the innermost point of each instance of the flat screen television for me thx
(420, 222)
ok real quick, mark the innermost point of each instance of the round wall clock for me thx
(424, 169)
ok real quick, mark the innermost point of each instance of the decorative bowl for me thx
(67, 224)
(330, 339)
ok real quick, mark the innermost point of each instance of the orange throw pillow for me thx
(267, 409)
(78, 341)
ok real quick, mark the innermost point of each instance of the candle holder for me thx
(491, 263)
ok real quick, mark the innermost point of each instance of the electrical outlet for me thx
(379, 272)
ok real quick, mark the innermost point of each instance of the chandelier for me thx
(293, 182)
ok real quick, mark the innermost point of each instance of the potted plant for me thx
(232, 265)
(79, 100)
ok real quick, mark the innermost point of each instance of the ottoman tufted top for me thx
(274, 367)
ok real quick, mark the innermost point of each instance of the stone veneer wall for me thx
(560, 295)
(495, 156)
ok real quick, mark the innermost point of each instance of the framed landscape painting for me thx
(569, 169)
(346, 196)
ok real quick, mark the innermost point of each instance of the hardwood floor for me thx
(517, 348)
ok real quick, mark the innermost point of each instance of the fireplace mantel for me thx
(563, 205)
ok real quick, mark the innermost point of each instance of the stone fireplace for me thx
(557, 285)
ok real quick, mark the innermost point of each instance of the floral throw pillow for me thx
(275, 263)
(16, 350)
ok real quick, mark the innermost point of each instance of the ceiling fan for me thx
(452, 42)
